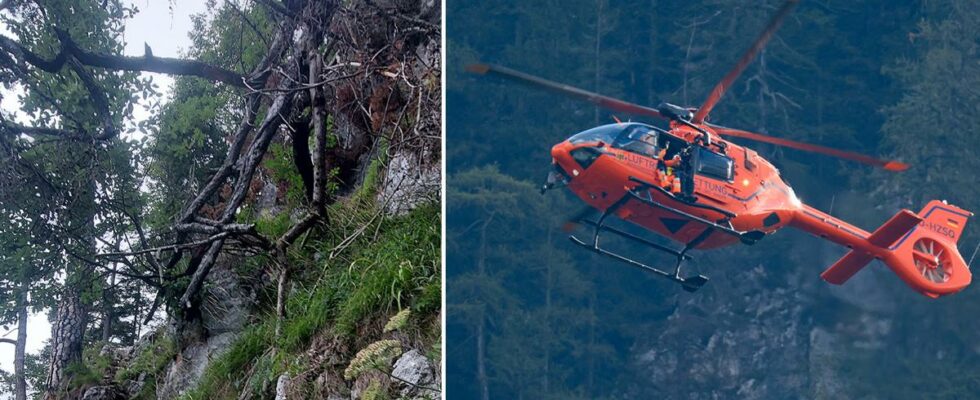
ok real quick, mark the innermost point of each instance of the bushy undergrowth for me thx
(90, 370)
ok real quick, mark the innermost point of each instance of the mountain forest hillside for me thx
(267, 228)
(529, 315)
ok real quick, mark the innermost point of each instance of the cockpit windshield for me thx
(632, 137)
(605, 133)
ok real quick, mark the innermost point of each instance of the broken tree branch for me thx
(146, 63)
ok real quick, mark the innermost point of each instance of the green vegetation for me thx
(374, 391)
(110, 212)
(391, 263)
(282, 169)
(150, 360)
(373, 176)
(90, 370)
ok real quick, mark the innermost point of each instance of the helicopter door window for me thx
(715, 165)
(673, 144)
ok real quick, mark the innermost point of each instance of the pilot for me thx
(651, 145)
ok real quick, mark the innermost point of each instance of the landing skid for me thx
(690, 284)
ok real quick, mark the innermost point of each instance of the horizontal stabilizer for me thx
(884, 236)
(896, 227)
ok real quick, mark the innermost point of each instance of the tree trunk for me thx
(547, 320)
(590, 382)
(67, 334)
(598, 48)
(481, 359)
(107, 302)
(20, 377)
(481, 351)
(281, 284)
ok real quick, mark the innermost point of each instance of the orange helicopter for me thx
(694, 187)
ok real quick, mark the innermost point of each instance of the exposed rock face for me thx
(226, 304)
(282, 387)
(224, 313)
(414, 374)
(183, 374)
(134, 387)
(102, 393)
(409, 181)
(730, 351)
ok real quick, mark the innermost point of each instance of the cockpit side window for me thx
(715, 165)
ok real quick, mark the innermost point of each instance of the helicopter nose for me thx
(561, 157)
(560, 153)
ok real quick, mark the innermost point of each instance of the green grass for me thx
(372, 178)
(430, 300)
(273, 226)
(401, 264)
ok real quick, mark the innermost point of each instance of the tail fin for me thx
(919, 248)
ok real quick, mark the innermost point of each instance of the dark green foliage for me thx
(431, 298)
(281, 166)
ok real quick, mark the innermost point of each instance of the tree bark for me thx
(107, 301)
(67, 335)
(20, 377)
(147, 63)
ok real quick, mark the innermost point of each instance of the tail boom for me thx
(919, 248)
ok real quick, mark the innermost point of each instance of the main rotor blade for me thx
(744, 62)
(571, 91)
(889, 165)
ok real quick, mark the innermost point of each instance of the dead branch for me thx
(146, 63)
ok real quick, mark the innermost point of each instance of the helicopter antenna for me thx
(744, 62)
(974, 255)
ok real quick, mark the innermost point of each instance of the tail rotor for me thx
(932, 260)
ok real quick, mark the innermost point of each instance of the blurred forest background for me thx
(529, 316)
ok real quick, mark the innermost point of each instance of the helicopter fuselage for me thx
(750, 196)
(738, 196)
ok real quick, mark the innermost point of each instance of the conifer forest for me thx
(531, 316)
